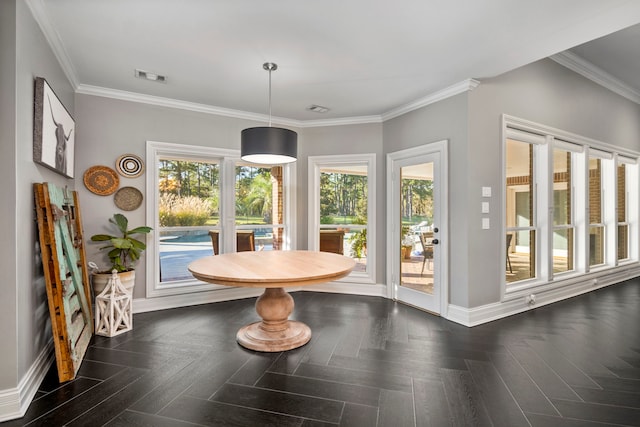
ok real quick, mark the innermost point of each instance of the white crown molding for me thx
(218, 111)
(598, 75)
(464, 86)
(39, 13)
(455, 89)
(181, 105)
(359, 120)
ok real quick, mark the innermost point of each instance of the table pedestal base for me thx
(275, 332)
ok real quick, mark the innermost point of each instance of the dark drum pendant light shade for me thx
(269, 145)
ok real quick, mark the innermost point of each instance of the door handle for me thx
(435, 230)
(435, 241)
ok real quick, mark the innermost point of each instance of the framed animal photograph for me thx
(53, 131)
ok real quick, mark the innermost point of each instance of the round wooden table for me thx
(272, 270)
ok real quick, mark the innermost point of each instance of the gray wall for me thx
(109, 128)
(336, 140)
(8, 309)
(543, 92)
(23, 306)
(444, 120)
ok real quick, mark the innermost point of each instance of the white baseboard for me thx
(143, 305)
(14, 402)
(377, 290)
(553, 293)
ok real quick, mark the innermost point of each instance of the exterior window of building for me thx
(188, 201)
(572, 206)
(623, 225)
(596, 222)
(563, 227)
(259, 206)
(203, 202)
(521, 210)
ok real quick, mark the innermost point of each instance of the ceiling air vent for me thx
(147, 75)
(317, 108)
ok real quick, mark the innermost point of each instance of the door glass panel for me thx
(416, 246)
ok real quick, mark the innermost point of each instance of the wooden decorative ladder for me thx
(66, 276)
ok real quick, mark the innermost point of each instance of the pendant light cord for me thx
(269, 96)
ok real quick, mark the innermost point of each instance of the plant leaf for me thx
(101, 237)
(121, 221)
(137, 244)
(140, 230)
(122, 243)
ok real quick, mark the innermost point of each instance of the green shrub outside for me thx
(186, 211)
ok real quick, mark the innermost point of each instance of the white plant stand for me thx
(114, 309)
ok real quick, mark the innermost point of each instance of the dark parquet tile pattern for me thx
(370, 362)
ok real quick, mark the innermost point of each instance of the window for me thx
(188, 199)
(259, 206)
(627, 208)
(564, 201)
(204, 201)
(623, 226)
(596, 214)
(571, 205)
(342, 209)
(521, 202)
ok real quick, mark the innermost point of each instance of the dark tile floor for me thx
(370, 362)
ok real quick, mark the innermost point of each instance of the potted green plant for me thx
(407, 242)
(124, 251)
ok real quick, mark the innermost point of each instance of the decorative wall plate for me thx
(130, 165)
(101, 180)
(128, 198)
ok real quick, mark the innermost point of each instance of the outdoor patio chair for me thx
(427, 248)
(245, 241)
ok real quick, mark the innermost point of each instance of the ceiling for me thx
(365, 60)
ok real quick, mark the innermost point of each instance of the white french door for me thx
(417, 228)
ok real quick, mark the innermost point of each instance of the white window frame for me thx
(581, 148)
(577, 204)
(539, 198)
(316, 163)
(631, 208)
(608, 199)
(227, 159)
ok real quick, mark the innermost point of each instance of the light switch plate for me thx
(486, 191)
(485, 223)
(485, 207)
